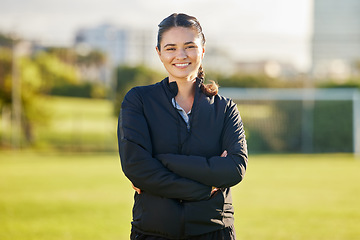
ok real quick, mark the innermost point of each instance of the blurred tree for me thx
(43, 72)
(89, 66)
(6, 41)
(31, 112)
(252, 81)
(38, 74)
(349, 83)
(32, 98)
(247, 81)
(5, 76)
(54, 72)
(357, 67)
(128, 77)
(93, 58)
(66, 55)
(6, 56)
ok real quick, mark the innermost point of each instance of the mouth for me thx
(181, 65)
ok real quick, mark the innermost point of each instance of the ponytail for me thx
(210, 89)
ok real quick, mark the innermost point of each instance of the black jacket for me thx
(175, 167)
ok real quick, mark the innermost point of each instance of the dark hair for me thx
(183, 20)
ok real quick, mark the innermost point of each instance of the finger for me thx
(214, 190)
(224, 154)
(138, 190)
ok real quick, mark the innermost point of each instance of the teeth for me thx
(181, 64)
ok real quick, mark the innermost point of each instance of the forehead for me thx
(180, 35)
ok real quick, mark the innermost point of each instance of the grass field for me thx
(85, 196)
(73, 124)
(80, 124)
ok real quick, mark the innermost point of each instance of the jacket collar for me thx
(172, 89)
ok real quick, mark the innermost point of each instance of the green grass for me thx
(299, 197)
(63, 197)
(80, 124)
(73, 124)
(86, 196)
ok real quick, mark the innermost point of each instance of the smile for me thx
(181, 64)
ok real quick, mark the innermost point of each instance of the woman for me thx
(181, 144)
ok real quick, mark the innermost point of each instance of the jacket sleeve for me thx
(216, 171)
(144, 171)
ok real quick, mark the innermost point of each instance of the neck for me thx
(186, 88)
(186, 93)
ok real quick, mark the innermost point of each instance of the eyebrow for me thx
(169, 45)
(173, 45)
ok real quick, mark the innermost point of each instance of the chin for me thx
(185, 76)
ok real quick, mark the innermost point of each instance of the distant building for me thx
(336, 38)
(218, 60)
(271, 68)
(123, 46)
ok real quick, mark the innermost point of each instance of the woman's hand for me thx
(138, 190)
(215, 189)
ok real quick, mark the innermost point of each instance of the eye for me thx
(191, 46)
(170, 49)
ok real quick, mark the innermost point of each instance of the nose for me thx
(181, 53)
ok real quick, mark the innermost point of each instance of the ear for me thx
(158, 51)
(203, 52)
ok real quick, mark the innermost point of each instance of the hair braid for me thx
(201, 73)
(210, 89)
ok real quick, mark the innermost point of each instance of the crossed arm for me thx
(138, 164)
(219, 171)
(213, 189)
(178, 176)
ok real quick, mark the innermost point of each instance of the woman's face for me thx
(181, 52)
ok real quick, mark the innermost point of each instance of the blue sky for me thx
(251, 29)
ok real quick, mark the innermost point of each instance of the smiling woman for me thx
(181, 53)
(185, 40)
(181, 144)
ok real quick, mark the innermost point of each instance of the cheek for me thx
(198, 55)
(166, 58)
